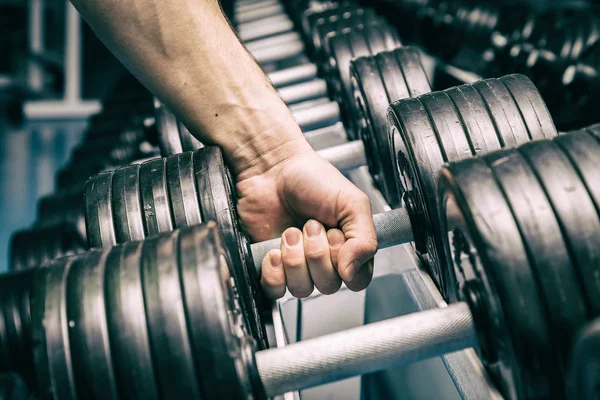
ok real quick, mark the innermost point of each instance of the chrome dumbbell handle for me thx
(346, 156)
(393, 342)
(289, 76)
(392, 228)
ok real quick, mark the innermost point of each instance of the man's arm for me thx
(186, 53)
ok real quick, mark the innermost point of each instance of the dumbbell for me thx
(248, 15)
(38, 245)
(147, 193)
(265, 28)
(508, 308)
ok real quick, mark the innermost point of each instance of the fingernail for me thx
(313, 228)
(292, 238)
(275, 259)
(335, 237)
(352, 268)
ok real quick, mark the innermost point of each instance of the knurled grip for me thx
(392, 228)
(397, 341)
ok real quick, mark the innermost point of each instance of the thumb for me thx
(361, 239)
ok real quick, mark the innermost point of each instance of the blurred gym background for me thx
(53, 70)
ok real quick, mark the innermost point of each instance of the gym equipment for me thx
(38, 245)
(520, 303)
(451, 125)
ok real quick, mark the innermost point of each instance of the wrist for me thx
(269, 146)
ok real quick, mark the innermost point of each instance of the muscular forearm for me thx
(185, 52)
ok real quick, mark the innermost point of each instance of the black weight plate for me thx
(418, 170)
(531, 105)
(572, 204)
(88, 335)
(313, 14)
(371, 102)
(212, 304)
(352, 17)
(547, 251)
(477, 122)
(583, 151)
(166, 316)
(182, 190)
(346, 45)
(6, 334)
(127, 324)
(216, 197)
(50, 332)
(447, 126)
(98, 211)
(507, 119)
(17, 252)
(377, 81)
(499, 263)
(127, 207)
(154, 196)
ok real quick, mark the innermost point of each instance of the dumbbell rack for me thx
(398, 275)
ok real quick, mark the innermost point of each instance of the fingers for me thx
(297, 275)
(361, 240)
(318, 258)
(273, 275)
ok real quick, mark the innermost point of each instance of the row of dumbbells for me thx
(493, 114)
(167, 316)
(557, 49)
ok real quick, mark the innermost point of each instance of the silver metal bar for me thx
(317, 117)
(243, 6)
(245, 16)
(392, 228)
(329, 136)
(279, 53)
(266, 27)
(304, 91)
(271, 41)
(73, 64)
(346, 156)
(36, 43)
(289, 76)
(397, 341)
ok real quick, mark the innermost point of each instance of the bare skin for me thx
(185, 52)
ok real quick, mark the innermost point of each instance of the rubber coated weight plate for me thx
(371, 104)
(88, 335)
(50, 332)
(506, 116)
(346, 45)
(166, 317)
(547, 251)
(215, 189)
(350, 19)
(127, 207)
(506, 278)
(377, 81)
(127, 325)
(447, 126)
(533, 109)
(155, 201)
(477, 122)
(217, 322)
(182, 190)
(418, 170)
(576, 203)
(98, 211)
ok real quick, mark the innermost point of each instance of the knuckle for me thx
(316, 254)
(271, 280)
(294, 263)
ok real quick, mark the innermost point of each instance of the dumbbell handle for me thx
(346, 156)
(392, 228)
(373, 347)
